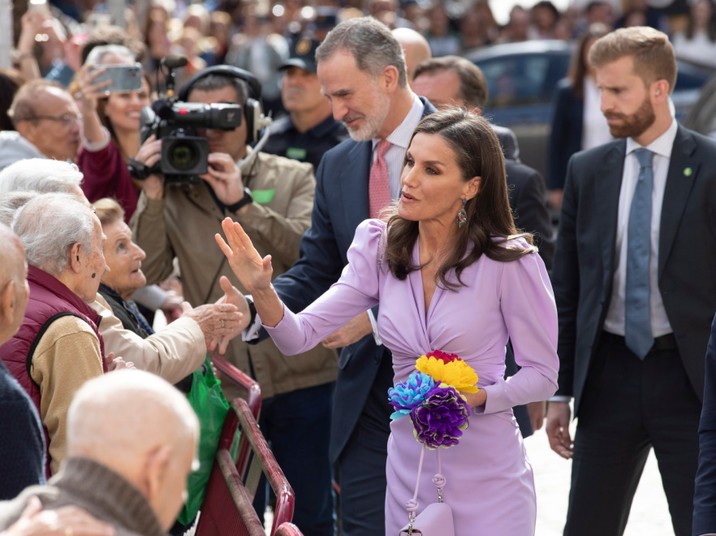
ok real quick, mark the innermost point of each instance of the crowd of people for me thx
(377, 218)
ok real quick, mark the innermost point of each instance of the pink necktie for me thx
(379, 184)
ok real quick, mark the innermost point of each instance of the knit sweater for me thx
(97, 489)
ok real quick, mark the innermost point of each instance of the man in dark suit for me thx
(455, 81)
(633, 278)
(362, 72)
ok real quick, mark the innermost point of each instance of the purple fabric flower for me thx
(409, 394)
(441, 418)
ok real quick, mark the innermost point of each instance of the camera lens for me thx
(183, 155)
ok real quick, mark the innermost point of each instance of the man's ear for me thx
(25, 128)
(660, 90)
(390, 78)
(156, 465)
(7, 301)
(75, 262)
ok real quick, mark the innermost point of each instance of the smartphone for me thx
(39, 5)
(122, 77)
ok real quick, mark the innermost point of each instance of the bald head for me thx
(47, 116)
(142, 428)
(13, 283)
(415, 47)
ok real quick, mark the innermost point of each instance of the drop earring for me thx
(462, 215)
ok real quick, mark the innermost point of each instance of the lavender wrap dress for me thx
(490, 485)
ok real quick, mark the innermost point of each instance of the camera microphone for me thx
(174, 61)
(163, 109)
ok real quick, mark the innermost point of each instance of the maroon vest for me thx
(49, 300)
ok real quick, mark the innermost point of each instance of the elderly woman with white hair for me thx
(110, 129)
(174, 352)
(42, 175)
(58, 346)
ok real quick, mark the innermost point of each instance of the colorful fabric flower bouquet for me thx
(432, 397)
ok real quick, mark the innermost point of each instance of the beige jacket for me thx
(172, 353)
(183, 224)
(58, 372)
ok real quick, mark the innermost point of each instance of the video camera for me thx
(184, 154)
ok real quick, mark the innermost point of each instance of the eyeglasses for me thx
(65, 119)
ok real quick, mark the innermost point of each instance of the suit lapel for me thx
(683, 169)
(607, 189)
(354, 187)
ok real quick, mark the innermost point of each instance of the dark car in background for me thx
(522, 78)
(702, 116)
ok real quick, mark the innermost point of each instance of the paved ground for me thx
(649, 514)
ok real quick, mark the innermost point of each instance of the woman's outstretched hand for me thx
(253, 271)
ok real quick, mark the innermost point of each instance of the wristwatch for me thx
(241, 203)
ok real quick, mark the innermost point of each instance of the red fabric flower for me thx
(442, 356)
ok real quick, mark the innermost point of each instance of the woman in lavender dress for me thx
(463, 288)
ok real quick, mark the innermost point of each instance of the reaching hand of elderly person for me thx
(219, 322)
(234, 297)
(115, 362)
(66, 521)
(172, 305)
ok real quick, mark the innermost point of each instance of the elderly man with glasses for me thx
(46, 120)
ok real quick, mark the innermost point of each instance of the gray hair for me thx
(10, 203)
(49, 225)
(42, 175)
(370, 42)
(98, 53)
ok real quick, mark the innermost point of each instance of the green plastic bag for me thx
(211, 408)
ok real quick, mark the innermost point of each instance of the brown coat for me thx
(183, 224)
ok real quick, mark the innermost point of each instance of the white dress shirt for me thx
(661, 147)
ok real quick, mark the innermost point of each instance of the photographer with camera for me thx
(272, 197)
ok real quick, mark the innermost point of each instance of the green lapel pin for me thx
(688, 172)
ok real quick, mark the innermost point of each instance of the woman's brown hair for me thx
(489, 217)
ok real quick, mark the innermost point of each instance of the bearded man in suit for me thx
(633, 279)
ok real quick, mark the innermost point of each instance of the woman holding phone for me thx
(110, 125)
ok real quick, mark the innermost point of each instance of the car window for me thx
(516, 80)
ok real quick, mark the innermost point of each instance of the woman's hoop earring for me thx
(462, 215)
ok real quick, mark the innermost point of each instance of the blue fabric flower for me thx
(409, 394)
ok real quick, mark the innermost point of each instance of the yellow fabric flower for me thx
(456, 373)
